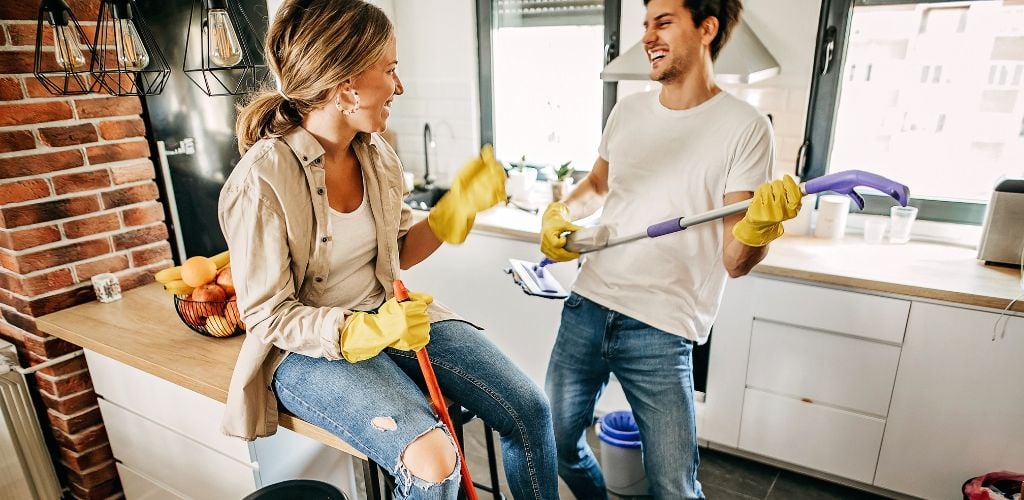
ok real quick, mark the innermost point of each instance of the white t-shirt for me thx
(665, 163)
(351, 282)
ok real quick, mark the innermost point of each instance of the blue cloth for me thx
(655, 370)
(344, 398)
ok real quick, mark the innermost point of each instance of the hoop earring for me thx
(351, 111)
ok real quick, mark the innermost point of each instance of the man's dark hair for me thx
(726, 11)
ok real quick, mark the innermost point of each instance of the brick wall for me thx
(77, 198)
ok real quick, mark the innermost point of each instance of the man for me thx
(638, 309)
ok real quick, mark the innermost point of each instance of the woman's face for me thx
(377, 87)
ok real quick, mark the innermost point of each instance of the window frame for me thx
(485, 56)
(816, 150)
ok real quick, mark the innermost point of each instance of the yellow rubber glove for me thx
(773, 203)
(402, 325)
(478, 186)
(554, 223)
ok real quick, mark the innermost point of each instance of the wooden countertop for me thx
(143, 331)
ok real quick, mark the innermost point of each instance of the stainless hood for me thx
(744, 59)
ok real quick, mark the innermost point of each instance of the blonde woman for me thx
(314, 219)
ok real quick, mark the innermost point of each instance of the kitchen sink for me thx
(425, 199)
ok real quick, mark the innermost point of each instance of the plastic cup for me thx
(901, 220)
(874, 230)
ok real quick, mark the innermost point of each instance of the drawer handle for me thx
(807, 400)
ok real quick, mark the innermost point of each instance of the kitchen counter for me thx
(916, 269)
(142, 330)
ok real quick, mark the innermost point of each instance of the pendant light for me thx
(72, 53)
(222, 53)
(128, 61)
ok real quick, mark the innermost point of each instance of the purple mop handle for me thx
(840, 182)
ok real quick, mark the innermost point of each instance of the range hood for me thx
(744, 59)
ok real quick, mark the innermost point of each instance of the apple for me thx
(231, 312)
(211, 299)
(224, 280)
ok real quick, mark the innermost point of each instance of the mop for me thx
(536, 280)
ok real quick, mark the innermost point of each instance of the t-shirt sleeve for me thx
(609, 130)
(753, 158)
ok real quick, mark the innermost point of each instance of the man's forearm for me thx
(585, 199)
(739, 259)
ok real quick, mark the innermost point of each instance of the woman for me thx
(314, 219)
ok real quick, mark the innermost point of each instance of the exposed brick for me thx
(60, 256)
(81, 181)
(16, 140)
(111, 264)
(75, 423)
(23, 61)
(10, 89)
(69, 136)
(108, 106)
(70, 366)
(19, 304)
(4, 40)
(9, 261)
(25, 34)
(104, 491)
(70, 404)
(117, 152)
(137, 277)
(93, 225)
(23, 321)
(50, 210)
(121, 129)
(130, 195)
(88, 459)
(31, 189)
(140, 171)
(35, 88)
(22, 166)
(85, 440)
(51, 347)
(28, 238)
(92, 477)
(65, 385)
(139, 237)
(47, 282)
(19, 11)
(33, 112)
(12, 282)
(152, 255)
(140, 216)
(11, 334)
(53, 303)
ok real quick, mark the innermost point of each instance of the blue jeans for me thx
(345, 398)
(655, 370)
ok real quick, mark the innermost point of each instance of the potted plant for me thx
(562, 183)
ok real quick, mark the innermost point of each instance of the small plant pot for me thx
(560, 189)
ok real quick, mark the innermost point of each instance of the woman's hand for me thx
(478, 186)
(402, 325)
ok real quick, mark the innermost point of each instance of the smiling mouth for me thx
(656, 55)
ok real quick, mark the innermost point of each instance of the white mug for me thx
(520, 183)
(832, 211)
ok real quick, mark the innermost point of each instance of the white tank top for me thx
(351, 282)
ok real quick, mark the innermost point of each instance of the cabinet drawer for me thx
(172, 459)
(868, 316)
(827, 439)
(139, 487)
(165, 403)
(841, 371)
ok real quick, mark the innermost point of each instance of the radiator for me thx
(26, 470)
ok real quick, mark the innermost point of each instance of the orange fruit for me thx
(198, 271)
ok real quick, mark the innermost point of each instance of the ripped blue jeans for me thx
(359, 402)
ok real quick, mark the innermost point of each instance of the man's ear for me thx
(709, 29)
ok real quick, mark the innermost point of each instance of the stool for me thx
(297, 488)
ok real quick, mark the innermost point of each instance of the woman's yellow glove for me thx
(478, 186)
(773, 202)
(402, 325)
(554, 223)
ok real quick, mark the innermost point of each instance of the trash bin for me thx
(297, 488)
(621, 458)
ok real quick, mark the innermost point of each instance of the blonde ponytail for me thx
(266, 115)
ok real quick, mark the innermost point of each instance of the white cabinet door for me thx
(727, 364)
(139, 487)
(958, 406)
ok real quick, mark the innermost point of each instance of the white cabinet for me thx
(958, 406)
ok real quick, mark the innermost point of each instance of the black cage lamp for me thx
(68, 72)
(222, 55)
(137, 66)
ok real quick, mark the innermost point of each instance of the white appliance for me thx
(26, 470)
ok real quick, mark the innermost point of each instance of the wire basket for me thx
(212, 319)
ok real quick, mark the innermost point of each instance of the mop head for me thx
(536, 281)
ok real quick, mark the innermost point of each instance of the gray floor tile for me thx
(735, 474)
(793, 486)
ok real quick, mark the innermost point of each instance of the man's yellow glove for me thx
(554, 223)
(402, 325)
(478, 186)
(773, 203)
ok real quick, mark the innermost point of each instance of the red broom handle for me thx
(402, 295)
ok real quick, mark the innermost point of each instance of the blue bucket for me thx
(621, 455)
(619, 428)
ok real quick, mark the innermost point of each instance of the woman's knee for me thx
(431, 457)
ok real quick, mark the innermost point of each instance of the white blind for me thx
(509, 13)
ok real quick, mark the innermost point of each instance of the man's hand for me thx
(773, 202)
(552, 240)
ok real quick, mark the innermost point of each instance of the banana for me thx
(222, 259)
(177, 287)
(169, 274)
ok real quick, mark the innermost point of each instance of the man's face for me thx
(673, 44)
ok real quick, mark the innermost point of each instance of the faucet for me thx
(428, 144)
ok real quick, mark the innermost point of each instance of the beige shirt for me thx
(274, 215)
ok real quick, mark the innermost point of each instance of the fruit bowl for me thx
(209, 318)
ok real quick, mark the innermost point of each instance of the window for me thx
(929, 93)
(541, 91)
